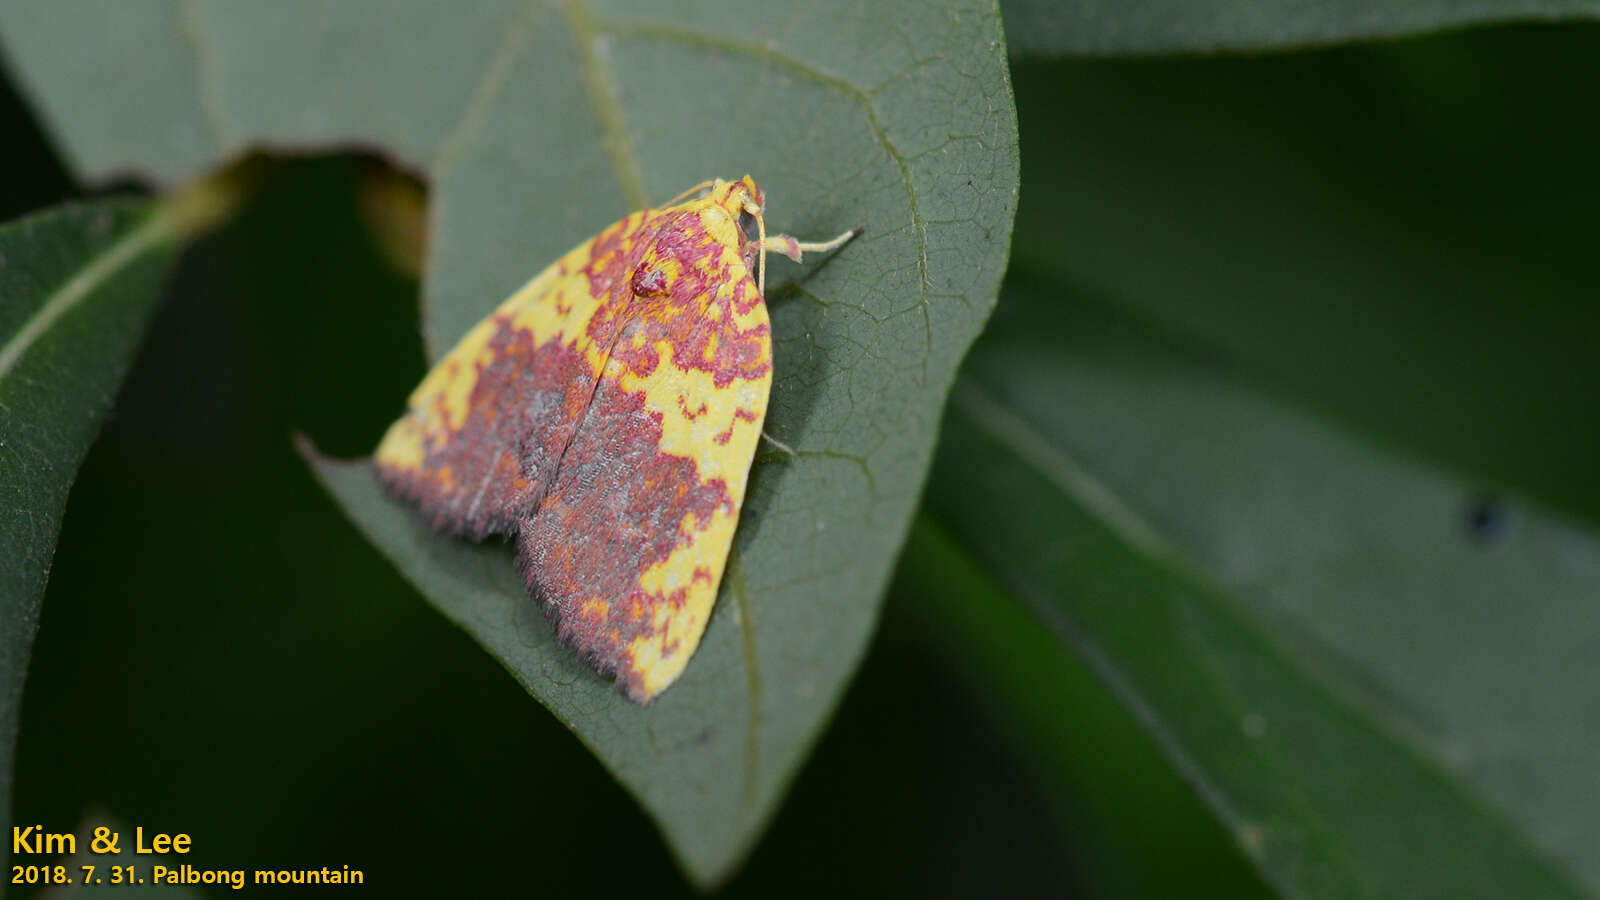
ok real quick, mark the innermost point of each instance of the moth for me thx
(605, 417)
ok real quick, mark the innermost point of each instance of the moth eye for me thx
(649, 281)
(747, 224)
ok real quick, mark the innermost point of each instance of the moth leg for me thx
(779, 444)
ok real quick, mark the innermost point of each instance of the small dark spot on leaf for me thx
(1485, 519)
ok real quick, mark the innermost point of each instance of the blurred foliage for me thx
(1232, 436)
(64, 274)
(1040, 28)
(1398, 234)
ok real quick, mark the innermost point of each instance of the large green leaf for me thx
(77, 285)
(540, 123)
(1124, 27)
(1380, 696)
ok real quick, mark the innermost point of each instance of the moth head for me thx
(744, 203)
(736, 198)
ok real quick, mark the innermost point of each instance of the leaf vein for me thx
(607, 103)
(106, 264)
(197, 34)
(495, 73)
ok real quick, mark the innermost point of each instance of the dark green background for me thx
(222, 654)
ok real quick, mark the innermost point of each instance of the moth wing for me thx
(628, 546)
(482, 434)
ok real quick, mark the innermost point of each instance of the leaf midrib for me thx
(101, 268)
(601, 88)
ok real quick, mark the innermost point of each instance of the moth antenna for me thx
(690, 192)
(788, 246)
(825, 246)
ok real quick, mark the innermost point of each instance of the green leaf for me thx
(539, 124)
(1120, 28)
(1376, 698)
(77, 285)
